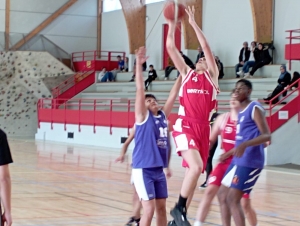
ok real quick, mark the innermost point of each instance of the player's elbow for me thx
(268, 137)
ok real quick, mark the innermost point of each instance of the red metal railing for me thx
(103, 112)
(292, 107)
(75, 84)
(292, 50)
(100, 59)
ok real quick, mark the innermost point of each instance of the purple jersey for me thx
(247, 129)
(151, 142)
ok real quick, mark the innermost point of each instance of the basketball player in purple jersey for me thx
(151, 152)
(252, 132)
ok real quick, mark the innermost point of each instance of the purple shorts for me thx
(150, 183)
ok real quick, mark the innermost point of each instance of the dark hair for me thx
(260, 44)
(254, 42)
(118, 56)
(296, 73)
(150, 96)
(246, 83)
(150, 65)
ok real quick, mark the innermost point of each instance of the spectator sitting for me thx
(144, 67)
(243, 57)
(262, 58)
(169, 68)
(120, 63)
(151, 76)
(105, 76)
(220, 67)
(250, 63)
(126, 60)
(296, 76)
(283, 81)
(200, 54)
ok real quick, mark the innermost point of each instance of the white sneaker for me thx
(166, 78)
(241, 73)
(247, 75)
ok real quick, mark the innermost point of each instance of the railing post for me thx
(270, 115)
(109, 58)
(290, 61)
(53, 100)
(65, 119)
(94, 115)
(110, 117)
(79, 111)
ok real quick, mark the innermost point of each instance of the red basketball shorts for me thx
(216, 176)
(191, 135)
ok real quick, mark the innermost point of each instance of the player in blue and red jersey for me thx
(252, 132)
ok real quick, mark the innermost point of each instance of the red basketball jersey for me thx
(197, 96)
(228, 132)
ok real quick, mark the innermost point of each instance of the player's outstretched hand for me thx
(191, 13)
(239, 150)
(120, 159)
(168, 173)
(6, 217)
(140, 55)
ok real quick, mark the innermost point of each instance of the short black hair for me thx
(148, 95)
(246, 83)
(151, 65)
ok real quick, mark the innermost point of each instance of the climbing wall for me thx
(24, 78)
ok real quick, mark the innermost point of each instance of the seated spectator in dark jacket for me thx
(126, 61)
(296, 76)
(243, 57)
(220, 67)
(151, 76)
(251, 61)
(200, 54)
(262, 58)
(169, 68)
(283, 81)
(120, 63)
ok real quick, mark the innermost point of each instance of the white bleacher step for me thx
(268, 71)
(126, 76)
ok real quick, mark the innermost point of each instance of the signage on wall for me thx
(283, 115)
(88, 64)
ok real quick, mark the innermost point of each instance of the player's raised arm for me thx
(210, 59)
(167, 108)
(140, 108)
(173, 51)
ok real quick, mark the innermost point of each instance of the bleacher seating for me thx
(264, 81)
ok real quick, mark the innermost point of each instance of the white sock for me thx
(198, 223)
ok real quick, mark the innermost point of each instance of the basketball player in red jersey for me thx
(225, 126)
(197, 97)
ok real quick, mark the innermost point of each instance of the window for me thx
(111, 5)
(152, 1)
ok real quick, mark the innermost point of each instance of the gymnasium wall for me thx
(74, 30)
(26, 77)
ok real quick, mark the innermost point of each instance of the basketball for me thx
(169, 10)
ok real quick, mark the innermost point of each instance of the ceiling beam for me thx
(7, 24)
(43, 25)
(99, 27)
(190, 38)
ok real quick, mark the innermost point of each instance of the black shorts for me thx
(5, 155)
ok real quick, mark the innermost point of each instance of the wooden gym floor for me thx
(60, 184)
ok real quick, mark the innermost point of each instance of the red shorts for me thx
(217, 175)
(190, 135)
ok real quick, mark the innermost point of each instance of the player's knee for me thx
(246, 205)
(222, 195)
(195, 169)
(148, 209)
(232, 197)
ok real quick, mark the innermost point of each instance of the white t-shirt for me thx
(251, 58)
